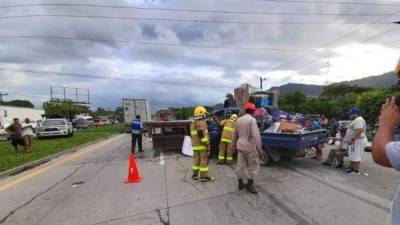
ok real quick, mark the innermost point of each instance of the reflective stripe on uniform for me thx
(221, 157)
(226, 140)
(229, 128)
(196, 168)
(229, 158)
(199, 148)
(194, 132)
(204, 139)
(204, 169)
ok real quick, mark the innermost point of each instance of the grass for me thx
(45, 147)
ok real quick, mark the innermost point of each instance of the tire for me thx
(267, 159)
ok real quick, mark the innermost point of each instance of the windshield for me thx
(53, 122)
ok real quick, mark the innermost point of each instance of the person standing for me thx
(27, 133)
(15, 130)
(225, 146)
(229, 101)
(385, 151)
(323, 121)
(358, 140)
(137, 129)
(333, 129)
(201, 145)
(247, 140)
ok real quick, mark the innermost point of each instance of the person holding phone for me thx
(385, 151)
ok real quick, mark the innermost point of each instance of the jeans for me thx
(137, 138)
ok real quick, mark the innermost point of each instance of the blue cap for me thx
(354, 110)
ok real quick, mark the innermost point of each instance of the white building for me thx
(8, 113)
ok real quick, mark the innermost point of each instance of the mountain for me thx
(309, 90)
(381, 81)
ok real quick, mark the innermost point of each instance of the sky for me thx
(193, 54)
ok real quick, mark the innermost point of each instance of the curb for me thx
(31, 165)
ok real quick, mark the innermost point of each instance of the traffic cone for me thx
(133, 172)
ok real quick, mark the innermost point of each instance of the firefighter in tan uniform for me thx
(247, 140)
(201, 145)
(225, 147)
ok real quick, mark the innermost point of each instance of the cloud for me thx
(351, 57)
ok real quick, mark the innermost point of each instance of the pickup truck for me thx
(54, 128)
(275, 145)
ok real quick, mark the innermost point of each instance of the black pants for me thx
(137, 138)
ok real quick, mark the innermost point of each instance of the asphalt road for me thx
(87, 187)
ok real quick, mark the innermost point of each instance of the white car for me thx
(55, 127)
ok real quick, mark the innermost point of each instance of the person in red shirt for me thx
(15, 131)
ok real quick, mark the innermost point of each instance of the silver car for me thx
(55, 127)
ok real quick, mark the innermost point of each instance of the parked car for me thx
(82, 123)
(55, 127)
(97, 123)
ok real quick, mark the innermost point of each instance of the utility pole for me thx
(1, 96)
(261, 82)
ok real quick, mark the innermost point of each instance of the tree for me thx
(19, 103)
(340, 90)
(66, 109)
(292, 101)
(371, 102)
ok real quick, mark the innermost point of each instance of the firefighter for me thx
(247, 140)
(201, 145)
(226, 140)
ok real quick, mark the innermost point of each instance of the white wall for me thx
(11, 112)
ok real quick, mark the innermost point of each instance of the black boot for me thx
(250, 187)
(195, 175)
(242, 185)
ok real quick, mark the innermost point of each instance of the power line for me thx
(295, 59)
(366, 40)
(181, 20)
(88, 76)
(152, 43)
(191, 10)
(333, 2)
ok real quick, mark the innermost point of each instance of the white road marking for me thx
(162, 161)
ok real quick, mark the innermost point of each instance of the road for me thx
(87, 187)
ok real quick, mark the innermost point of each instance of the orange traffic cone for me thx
(133, 173)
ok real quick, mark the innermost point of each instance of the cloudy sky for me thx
(194, 52)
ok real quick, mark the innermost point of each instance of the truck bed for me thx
(295, 142)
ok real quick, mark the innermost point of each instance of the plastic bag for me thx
(187, 146)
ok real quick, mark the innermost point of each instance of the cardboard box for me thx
(288, 127)
(397, 70)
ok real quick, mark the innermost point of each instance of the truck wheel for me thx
(267, 159)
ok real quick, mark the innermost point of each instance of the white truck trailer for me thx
(133, 107)
(8, 113)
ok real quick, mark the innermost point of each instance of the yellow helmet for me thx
(199, 111)
(234, 117)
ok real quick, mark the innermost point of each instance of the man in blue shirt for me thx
(137, 128)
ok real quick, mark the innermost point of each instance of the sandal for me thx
(207, 179)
